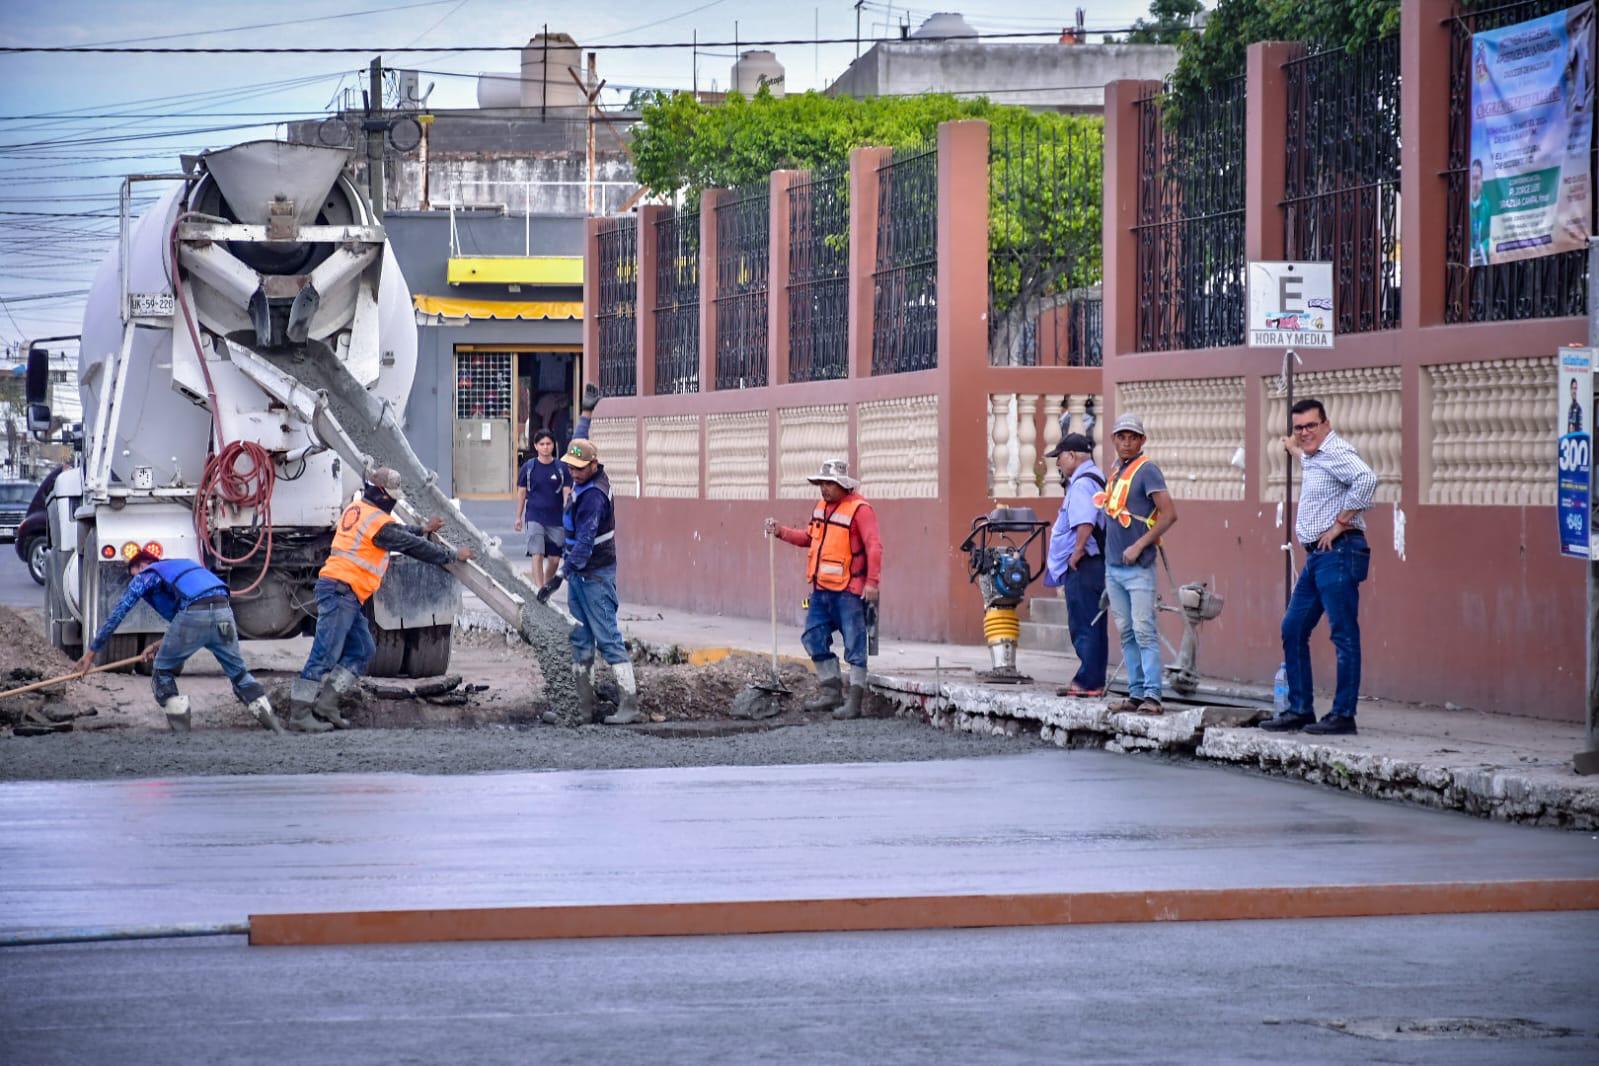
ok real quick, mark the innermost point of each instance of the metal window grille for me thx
(1046, 232)
(677, 302)
(818, 276)
(743, 263)
(483, 384)
(617, 315)
(1190, 227)
(905, 285)
(1550, 286)
(1341, 194)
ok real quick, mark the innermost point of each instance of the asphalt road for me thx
(1265, 992)
(17, 589)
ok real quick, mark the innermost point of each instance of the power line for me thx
(274, 25)
(37, 296)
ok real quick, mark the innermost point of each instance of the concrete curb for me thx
(1213, 734)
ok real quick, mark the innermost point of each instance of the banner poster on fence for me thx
(1574, 457)
(1531, 129)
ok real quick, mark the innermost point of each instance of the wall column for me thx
(648, 267)
(863, 164)
(709, 200)
(1265, 141)
(591, 299)
(778, 237)
(1120, 240)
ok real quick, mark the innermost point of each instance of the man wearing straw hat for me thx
(845, 561)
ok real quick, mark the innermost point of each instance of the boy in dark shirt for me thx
(542, 487)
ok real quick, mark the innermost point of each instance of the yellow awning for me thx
(464, 307)
(515, 270)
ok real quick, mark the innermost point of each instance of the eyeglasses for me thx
(1306, 427)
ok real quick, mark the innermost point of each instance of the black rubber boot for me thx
(830, 695)
(852, 703)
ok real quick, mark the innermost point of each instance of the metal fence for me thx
(905, 284)
(818, 276)
(1046, 230)
(616, 316)
(677, 302)
(743, 262)
(1341, 194)
(1549, 286)
(1190, 227)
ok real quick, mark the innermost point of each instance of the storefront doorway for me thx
(503, 395)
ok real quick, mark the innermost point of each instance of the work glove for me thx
(590, 400)
(551, 585)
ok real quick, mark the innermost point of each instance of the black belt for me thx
(210, 601)
(1312, 547)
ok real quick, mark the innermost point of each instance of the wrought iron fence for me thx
(818, 276)
(1341, 194)
(677, 302)
(743, 262)
(905, 284)
(1045, 231)
(1549, 286)
(617, 314)
(1190, 227)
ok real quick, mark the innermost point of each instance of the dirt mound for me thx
(25, 651)
(680, 693)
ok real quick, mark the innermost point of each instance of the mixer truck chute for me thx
(263, 249)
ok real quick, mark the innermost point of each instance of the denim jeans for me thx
(212, 629)
(1329, 584)
(591, 597)
(843, 611)
(1132, 604)
(342, 635)
(1090, 639)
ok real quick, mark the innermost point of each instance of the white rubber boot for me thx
(261, 708)
(627, 711)
(177, 712)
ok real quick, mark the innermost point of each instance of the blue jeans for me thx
(1329, 584)
(342, 635)
(1132, 603)
(212, 629)
(591, 597)
(1090, 639)
(843, 611)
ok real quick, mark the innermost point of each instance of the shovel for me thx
(776, 688)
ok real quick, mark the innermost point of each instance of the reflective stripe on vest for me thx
(1113, 501)
(355, 559)
(833, 561)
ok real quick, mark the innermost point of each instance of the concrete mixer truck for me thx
(193, 444)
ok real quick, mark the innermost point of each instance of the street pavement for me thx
(17, 589)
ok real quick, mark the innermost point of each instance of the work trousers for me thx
(342, 636)
(197, 628)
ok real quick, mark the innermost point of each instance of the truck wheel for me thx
(390, 658)
(123, 646)
(38, 554)
(427, 650)
(59, 615)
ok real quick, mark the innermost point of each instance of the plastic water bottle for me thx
(1279, 689)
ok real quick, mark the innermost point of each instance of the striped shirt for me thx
(1336, 480)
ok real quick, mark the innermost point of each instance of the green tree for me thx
(1169, 22)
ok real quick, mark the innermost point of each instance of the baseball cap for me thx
(1129, 424)
(386, 478)
(580, 452)
(1071, 442)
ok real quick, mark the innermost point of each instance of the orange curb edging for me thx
(919, 912)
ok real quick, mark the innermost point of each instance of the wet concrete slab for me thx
(217, 849)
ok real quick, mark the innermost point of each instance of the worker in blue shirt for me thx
(1077, 563)
(196, 603)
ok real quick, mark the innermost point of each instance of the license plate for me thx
(6, 531)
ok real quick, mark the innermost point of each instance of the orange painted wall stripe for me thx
(920, 912)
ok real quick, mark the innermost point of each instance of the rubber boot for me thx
(583, 675)
(832, 688)
(335, 686)
(177, 711)
(854, 696)
(627, 711)
(302, 694)
(261, 707)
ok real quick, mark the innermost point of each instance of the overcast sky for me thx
(107, 115)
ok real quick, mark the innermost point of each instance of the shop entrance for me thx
(502, 397)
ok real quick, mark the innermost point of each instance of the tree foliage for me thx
(1168, 23)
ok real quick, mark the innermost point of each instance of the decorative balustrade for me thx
(806, 437)
(1023, 428)
(899, 447)
(1493, 428)
(1364, 407)
(672, 456)
(1195, 427)
(738, 455)
(617, 441)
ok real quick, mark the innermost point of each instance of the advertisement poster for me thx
(1574, 458)
(1531, 126)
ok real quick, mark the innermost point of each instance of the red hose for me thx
(224, 482)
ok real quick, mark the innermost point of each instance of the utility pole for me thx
(858, 4)
(374, 136)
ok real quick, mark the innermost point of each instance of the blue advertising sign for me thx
(1574, 457)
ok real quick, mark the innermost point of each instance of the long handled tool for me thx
(73, 676)
(776, 688)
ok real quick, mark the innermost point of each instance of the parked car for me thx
(32, 535)
(14, 499)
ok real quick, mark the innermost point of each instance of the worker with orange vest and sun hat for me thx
(365, 535)
(1138, 509)
(843, 567)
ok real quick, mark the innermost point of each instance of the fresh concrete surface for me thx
(202, 850)
(1257, 992)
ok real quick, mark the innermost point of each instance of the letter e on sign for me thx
(1291, 305)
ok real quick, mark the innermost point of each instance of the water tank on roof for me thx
(945, 24)
(549, 64)
(499, 90)
(756, 68)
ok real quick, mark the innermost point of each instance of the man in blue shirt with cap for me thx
(1077, 562)
(196, 603)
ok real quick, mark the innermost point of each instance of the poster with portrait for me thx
(1529, 179)
(1574, 453)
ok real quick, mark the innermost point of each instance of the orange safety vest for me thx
(833, 561)
(355, 560)
(1113, 500)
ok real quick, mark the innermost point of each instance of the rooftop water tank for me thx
(945, 24)
(756, 68)
(499, 90)
(552, 70)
